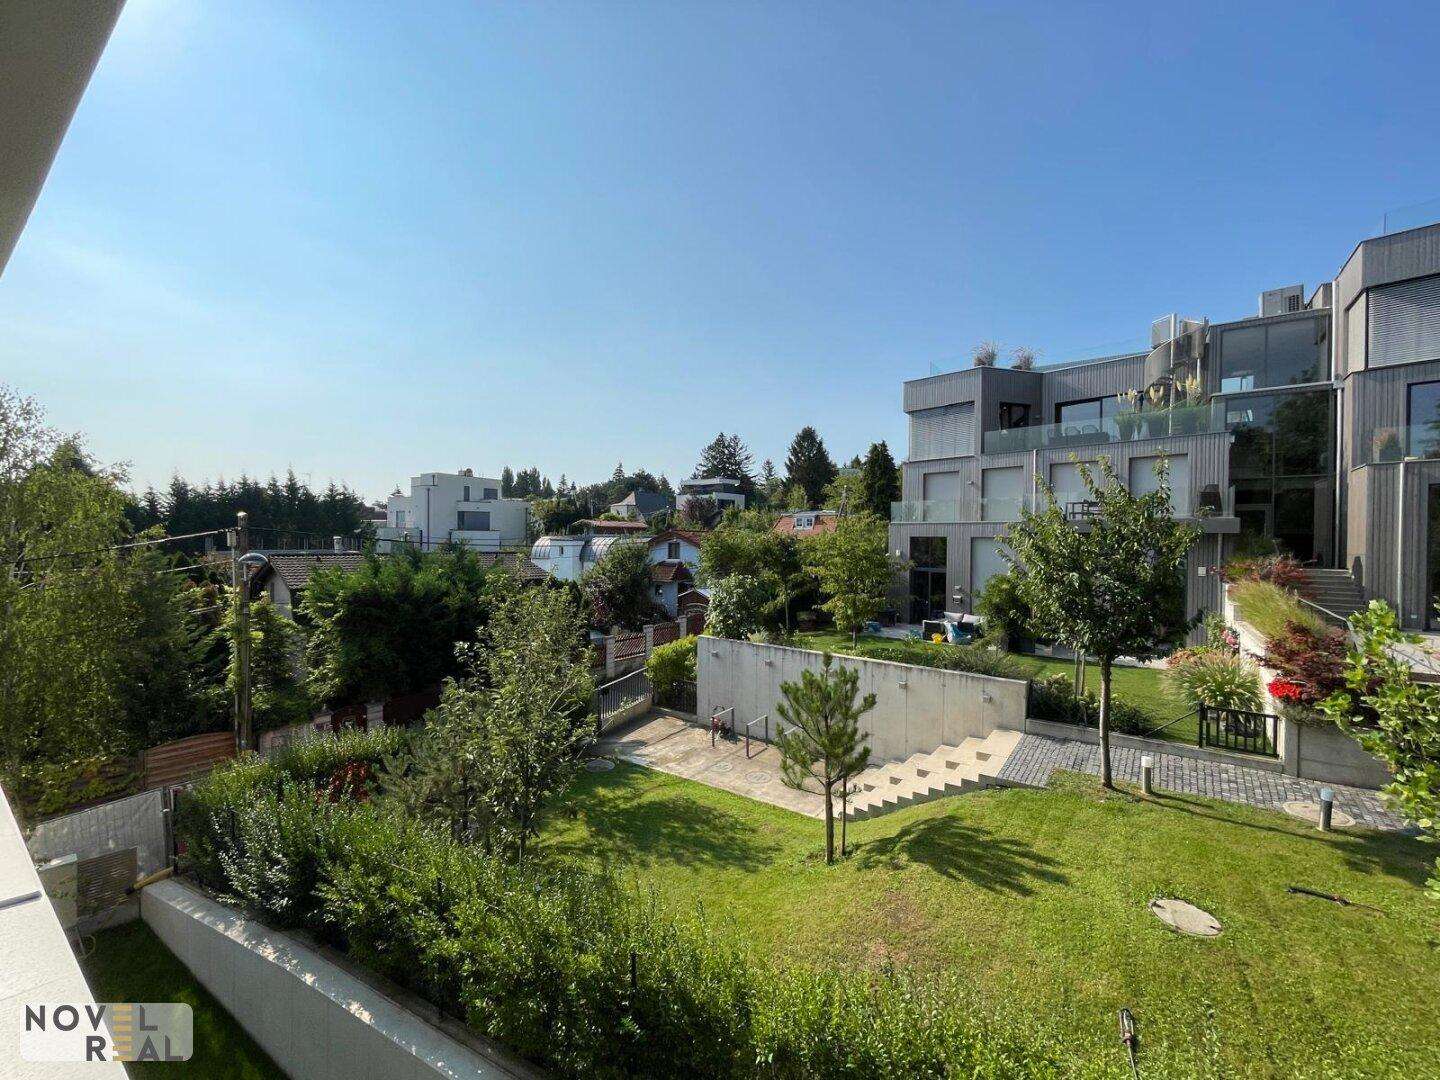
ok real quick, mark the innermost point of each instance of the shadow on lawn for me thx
(625, 819)
(956, 849)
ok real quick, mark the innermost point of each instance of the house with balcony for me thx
(1313, 424)
(723, 490)
(459, 508)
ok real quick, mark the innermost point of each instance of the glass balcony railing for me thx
(1210, 502)
(1397, 443)
(1125, 427)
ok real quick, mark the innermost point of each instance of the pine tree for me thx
(809, 466)
(825, 743)
(880, 481)
(507, 482)
(728, 456)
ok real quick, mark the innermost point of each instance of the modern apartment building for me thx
(1315, 423)
(460, 508)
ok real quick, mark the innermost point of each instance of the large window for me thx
(1002, 493)
(1068, 484)
(1090, 410)
(1282, 466)
(473, 520)
(1144, 480)
(948, 431)
(1014, 414)
(1405, 322)
(940, 487)
(928, 582)
(1424, 420)
(1274, 354)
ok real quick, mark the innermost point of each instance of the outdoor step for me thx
(947, 770)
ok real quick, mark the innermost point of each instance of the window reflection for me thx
(1278, 354)
(1281, 463)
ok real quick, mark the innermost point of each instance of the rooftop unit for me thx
(1282, 301)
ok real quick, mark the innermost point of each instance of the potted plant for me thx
(1127, 421)
(1157, 416)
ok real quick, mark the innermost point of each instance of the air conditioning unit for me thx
(1282, 301)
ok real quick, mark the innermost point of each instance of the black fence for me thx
(1236, 729)
(623, 694)
(680, 697)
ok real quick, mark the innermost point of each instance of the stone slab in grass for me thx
(599, 764)
(1309, 810)
(1185, 918)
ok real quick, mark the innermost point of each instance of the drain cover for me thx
(757, 778)
(721, 766)
(1185, 918)
(1309, 810)
(599, 764)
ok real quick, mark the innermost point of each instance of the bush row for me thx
(1054, 698)
(541, 959)
(975, 659)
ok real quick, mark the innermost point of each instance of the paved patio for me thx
(660, 740)
(1038, 756)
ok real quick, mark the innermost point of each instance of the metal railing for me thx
(758, 720)
(1208, 419)
(616, 698)
(1236, 729)
(719, 726)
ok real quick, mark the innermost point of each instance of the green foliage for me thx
(880, 481)
(671, 664)
(1281, 570)
(1401, 718)
(617, 589)
(975, 659)
(736, 606)
(1270, 609)
(278, 697)
(727, 456)
(845, 493)
(1003, 608)
(391, 627)
(1217, 678)
(853, 567)
(1053, 698)
(824, 744)
(808, 466)
(746, 542)
(42, 788)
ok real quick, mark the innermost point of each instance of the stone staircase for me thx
(1335, 590)
(947, 770)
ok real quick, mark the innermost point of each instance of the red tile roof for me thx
(669, 571)
(825, 521)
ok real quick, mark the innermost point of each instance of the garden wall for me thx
(315, 1018)
(916, 710)
(136, 822)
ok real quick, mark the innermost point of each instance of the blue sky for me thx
(440, 235)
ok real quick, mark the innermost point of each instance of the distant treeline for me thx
(283, 513)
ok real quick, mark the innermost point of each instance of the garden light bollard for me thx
(1327, 806)
(1147, 774)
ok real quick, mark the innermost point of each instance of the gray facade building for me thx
(1313, 425)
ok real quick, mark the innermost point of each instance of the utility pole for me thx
(240, 579)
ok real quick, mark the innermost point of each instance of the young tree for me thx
(1393, 717)
(698, 512)
(507, 482)
(618, 590)
(1114, 585)
(277, 686)
(825, 744)
(808, 465)
(880, 481)
(847, 495)
(853, 567)
(737, 604)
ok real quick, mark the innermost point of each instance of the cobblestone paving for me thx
(1037, 756)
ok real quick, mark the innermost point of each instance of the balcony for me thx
(1213, 510)
(1126, 427)
(1390, 444)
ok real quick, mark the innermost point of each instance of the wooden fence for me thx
(185, 759)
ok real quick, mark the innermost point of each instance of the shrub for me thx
(1053, 698)
(1313, 663)
(1003, 609)
(1218, 635)
(671, 664)
(1279, 570)
(1269, 608)
(975, 659)
(1215, 678)
(736, 604)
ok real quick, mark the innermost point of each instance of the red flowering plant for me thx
(1286, 691)
(1312, 662)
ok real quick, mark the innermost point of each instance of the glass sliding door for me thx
(1432, 557)
(929, 591)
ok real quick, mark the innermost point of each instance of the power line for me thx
(122, 547)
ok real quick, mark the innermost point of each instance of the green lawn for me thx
(131, 964)
(1140, 686)
(1040, 897)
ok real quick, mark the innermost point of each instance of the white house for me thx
(459, 507)
(566, 558)
(674, 557)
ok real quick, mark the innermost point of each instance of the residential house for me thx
(460, 508)
(601, 525)
(566, 558)
(803, 523)
(674, 558)
(641, 505)
(725, 491)
(1313, 424)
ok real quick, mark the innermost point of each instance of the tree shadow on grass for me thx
(628, 819)
(963, 851)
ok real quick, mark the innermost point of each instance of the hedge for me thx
(540, 958)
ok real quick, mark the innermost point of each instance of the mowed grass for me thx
(130, 963)
(1039, 898)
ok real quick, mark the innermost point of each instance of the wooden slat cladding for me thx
(184, 759)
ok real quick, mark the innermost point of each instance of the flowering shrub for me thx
(1285, 690)
(1313, 663)
(1218, 635)
(1279, 570)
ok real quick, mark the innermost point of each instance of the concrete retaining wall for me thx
(1328, 754)
(317, 1020)
(917, 708)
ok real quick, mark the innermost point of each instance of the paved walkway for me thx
(670, 744)
(1038, 756)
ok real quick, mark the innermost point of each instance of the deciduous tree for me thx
(853, 567)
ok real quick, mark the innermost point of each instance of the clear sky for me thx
(371, 240)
